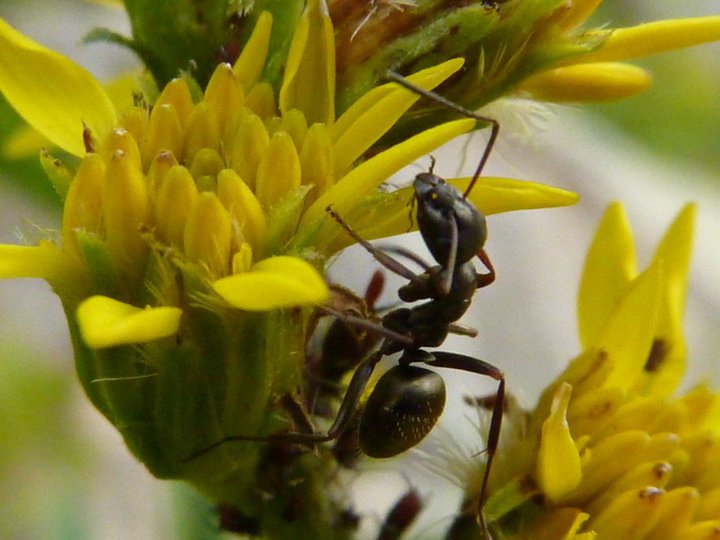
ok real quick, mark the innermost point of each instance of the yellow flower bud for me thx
(84, 201)
(208, 235)
(261, 101)
(316, 160)
(159, 167)
(224, 96)
(207, 162)
(175, 201)
(125, 210)
(177, 94)
(135, 121)
(244, 207)
(164, 132)
(120, 140)
(249, 147)
(294, 123)
(202, 131)
(279, 171)
(243, 258)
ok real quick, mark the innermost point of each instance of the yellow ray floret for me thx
(52, 93)
(273, 283)
(106, 322)
(600, 81)
(558, 463)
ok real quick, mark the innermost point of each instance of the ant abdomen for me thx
(403, 408)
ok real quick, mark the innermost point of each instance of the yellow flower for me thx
(611, 451)
(194, 236)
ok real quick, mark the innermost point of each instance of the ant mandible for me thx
(407, 400)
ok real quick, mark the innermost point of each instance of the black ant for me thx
(407, 400)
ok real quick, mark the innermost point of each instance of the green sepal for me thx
(509, 498)
(179, 35)
(57, 172)
(101, 268)
(283, 220)
(120, 384)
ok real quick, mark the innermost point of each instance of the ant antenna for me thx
(494, 125)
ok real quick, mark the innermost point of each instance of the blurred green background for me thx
(64, 473)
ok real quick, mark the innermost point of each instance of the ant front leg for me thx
(437, 98)
(475, 365)
(380, 256)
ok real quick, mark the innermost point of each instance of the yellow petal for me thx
(629, 334)
(365, 178)
(45, 261)
(53, 94)
(106, 322)
(603, 81)
(491, 195)
(22, 143)
(609, 267)
(371, 116)
(654, 37)
(309, 81)
(558, 465)
(274, 283)
(666, 366)
(251, 61)
(675, 250)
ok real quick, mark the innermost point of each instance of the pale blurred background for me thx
(64, 472)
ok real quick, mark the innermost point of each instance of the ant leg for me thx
(347, 409)
(404, 252)
(483, 280)
(494, 125)
(449, 269)
(374, 289)
(370, 325)
(475, 365)
(446, 284)
(380, 256)
(462, 330)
